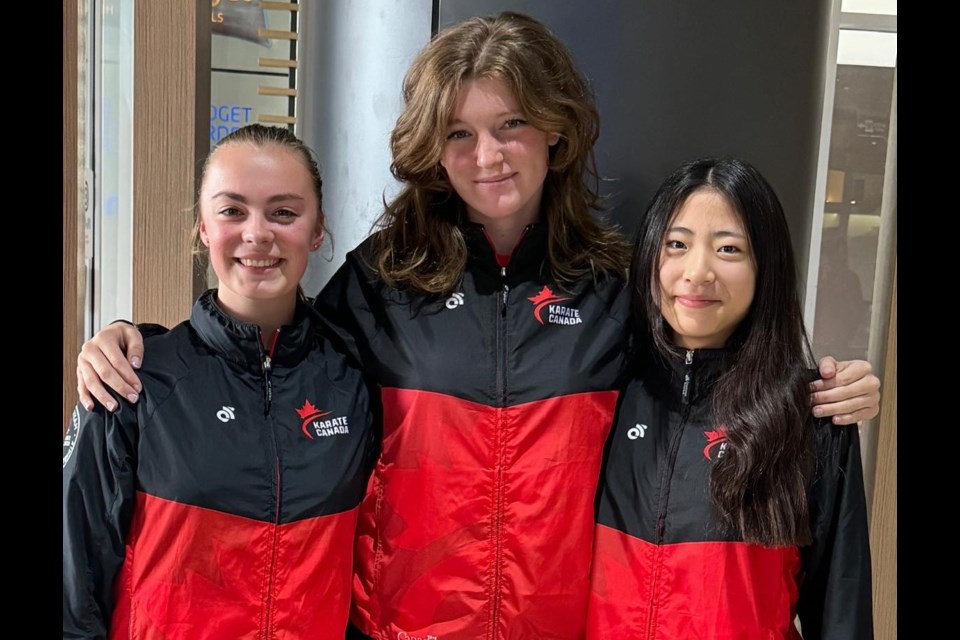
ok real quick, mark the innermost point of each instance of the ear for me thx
(204, 238)
(552, 139)
(317, 239)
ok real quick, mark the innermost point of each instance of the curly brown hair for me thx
(419, 244)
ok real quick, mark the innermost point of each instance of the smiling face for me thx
(707, 272)
(495, 160)
(260, 219)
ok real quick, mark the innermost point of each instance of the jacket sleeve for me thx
(349, 304)
(835, 590)
(149, 329)
(99, 481)
(146, 329)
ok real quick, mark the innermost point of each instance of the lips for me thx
(695, 302)
(496, 179)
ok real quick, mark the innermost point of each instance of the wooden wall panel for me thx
(171, 138)
(883, 520)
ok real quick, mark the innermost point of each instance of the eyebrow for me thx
(274, 198)
(718, 234)
(502, 114)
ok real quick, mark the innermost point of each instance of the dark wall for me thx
(679, 80)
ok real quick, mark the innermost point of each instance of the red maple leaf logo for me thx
(714, 438)
(542, 299)
(308, 413)
(307, 409)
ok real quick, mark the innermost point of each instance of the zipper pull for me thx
(688, 361)
(267, 386)
(267, 365)
(506, 289)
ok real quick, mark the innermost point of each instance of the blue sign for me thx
(226, 118)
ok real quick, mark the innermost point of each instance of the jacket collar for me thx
(697, 369)
(528, 256)
(239, 342)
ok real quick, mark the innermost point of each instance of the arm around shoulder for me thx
(847, 391)
(350, 304)
(108, 360)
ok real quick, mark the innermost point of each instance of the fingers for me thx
(850, 371)
(90, 388)
(865, 389)
(85, 397)
(848, 394)
(828, 367)
(134, 342)
(850, 403)
(848, 412)
(102, 362)
(844, 373)
(850, 418)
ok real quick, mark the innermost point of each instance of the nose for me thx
(698, 267)
(489, 150)
(256, 230)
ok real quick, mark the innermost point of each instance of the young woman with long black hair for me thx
(724, 509)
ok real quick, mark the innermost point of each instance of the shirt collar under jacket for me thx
(529, 256)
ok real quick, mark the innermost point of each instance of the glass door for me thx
(106, 147)
(854, 248)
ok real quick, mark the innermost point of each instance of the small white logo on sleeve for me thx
(637, 432)
(226, 414)
(70, 440)
(454, 301)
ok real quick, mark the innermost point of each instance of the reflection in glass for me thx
(852, 213)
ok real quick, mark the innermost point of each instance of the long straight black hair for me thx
(760, 485)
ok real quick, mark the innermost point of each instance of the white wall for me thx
(353, 55)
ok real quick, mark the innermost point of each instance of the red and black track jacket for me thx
(224, 503)
(478, 520)
(665, 569)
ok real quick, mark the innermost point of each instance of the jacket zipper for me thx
(664, 499)
(502, 339)
(499, 444)
(267, 366)
(266, 362)
(499, 439)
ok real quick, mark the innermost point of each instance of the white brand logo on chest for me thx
(454, 301)
(636, 432)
